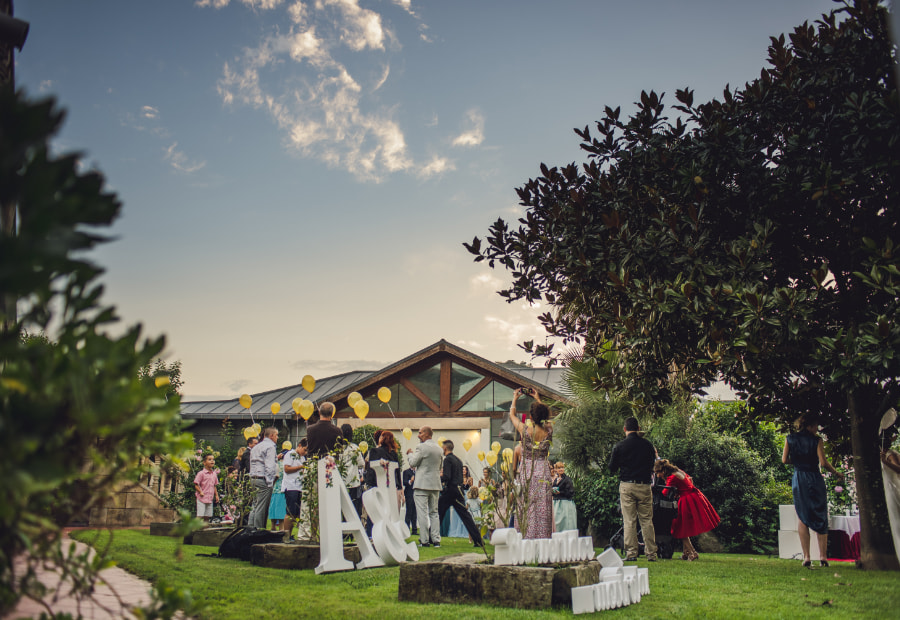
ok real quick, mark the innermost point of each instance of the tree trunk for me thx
(876, 543)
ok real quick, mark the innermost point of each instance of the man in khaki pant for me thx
(633, 458)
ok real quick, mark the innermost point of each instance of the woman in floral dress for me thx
(534, 474)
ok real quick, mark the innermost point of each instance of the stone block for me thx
(159, 515)
(98, 516)
(116, 500)
(467, 578)
(140, 499)
(209, 537)
(165, 528)
(294, 556)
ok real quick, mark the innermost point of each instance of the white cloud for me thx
(179, 161)
(301, 78)
(45, 85)
(516, 331)
(473, 135)
(485, 281)
(148, 111)
(437, 165)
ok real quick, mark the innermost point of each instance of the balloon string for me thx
(391, 410)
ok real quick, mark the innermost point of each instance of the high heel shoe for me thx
(823, 563)
(694, 556)
(807, 564)
(685, 556)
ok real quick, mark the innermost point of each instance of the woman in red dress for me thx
(695, 514)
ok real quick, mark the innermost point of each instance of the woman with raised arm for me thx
(534, 472)
(805, 450)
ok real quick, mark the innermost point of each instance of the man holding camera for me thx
(633, 460)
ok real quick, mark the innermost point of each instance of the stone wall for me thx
(131, 506)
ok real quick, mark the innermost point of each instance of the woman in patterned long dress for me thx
(534, 474)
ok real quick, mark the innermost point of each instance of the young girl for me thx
(695, 514)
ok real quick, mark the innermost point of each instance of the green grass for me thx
(715, 586)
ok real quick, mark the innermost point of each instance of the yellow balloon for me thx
(361, 408)
(467, 444)
(363, 446)
(308, 383)
(480, 455)
(295, 404)
(508, 455)
(484, 494)
(247, 434)
(384, 394)
(504, 467)
(529, 423)
(353, 398)
(276, 407)
(306, 409)
(441, 440)
(491, 458)
(407, 432)
(161, 381)
(246, 400)
(495, 447)
(287, 445)
(256, 429)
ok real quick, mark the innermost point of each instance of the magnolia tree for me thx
(750, 238)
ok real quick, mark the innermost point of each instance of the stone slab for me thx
(467, 578)
(208, 537)
(294, 556)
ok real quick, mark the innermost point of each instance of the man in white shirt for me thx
(292, 484)
(262, 477)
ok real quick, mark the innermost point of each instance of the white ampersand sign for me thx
(389, 531)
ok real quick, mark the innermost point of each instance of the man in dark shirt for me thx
(409, 479)
(451, 477)
(633, 460)
(244, 468)
(323, 436)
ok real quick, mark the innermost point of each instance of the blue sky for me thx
(298, 176)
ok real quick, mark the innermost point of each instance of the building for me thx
(457, 393)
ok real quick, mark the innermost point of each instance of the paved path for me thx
(118, 585)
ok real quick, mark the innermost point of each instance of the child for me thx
(205, 483)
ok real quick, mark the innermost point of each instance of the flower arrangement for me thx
(842, 493)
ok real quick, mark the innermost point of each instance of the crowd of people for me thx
(438, 495)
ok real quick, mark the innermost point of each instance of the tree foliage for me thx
(75, 412)
(750, 238)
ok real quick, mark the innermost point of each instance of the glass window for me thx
(503, 399)
(461, 381)
(429, 382)
(483, 401)
(408, 402)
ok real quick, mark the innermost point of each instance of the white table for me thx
(848, 524)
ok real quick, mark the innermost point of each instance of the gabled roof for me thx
(335, 389)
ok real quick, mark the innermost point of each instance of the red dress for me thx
(695, 514)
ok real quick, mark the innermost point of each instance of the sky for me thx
(298, 176)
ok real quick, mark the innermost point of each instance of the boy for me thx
(205, 483)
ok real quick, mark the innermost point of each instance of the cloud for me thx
(437, 165)
(179, 160)
(236, 385)
(45, 85)
(148, 111)
(254, 4)
(485, 281)
(473, 135)
(301, 78)
(328, 368)
(516, 331)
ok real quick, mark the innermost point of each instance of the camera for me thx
(526, 390)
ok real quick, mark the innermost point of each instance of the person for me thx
(533, 473)
(205, 483)
(387, 451)
(409, 478)
(564, 513)
(231, 477)
(427, 461)
(236, 463)
(262, 476)
(352, 460)
(277, 503)
(632, 459)
(292, 485)
(323, 436)
(695, 514)
(244, 469)
(805, 450)
(474, 504)
(452, 497)
(468, 482)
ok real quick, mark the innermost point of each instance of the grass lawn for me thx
(715, 586)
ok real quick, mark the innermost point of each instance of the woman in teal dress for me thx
(805, 451)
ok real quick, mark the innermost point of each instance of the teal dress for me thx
(807, 484)
(277, 505)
